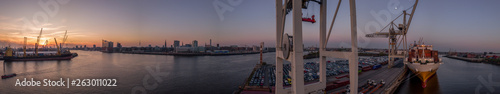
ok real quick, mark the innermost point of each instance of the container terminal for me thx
(372, 70)
(300, 77)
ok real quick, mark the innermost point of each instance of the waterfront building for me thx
(119, 45)
(195, 43)
(107, 46)
(183, 49)
(221, 51)
(176, 43)
(256, 48)
(199, 49)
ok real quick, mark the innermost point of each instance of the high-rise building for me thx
(103, 45)
(176, 43)
(195, 43)
(110, 46)
(84, 46)
(119, 45)
(165, 44)
(107, 46)
(94, 45)
(210, 42)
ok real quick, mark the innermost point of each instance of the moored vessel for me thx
(10, 55)
(423, 61)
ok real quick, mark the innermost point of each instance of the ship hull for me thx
(42, 58)
(423, 71)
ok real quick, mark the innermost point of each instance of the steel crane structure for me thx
(58, 49)
(65, 37)
(290, 48)
(38, 42)
(397, 36)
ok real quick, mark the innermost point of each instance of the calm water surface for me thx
(201, 74)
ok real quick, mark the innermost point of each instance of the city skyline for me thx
(455, 26)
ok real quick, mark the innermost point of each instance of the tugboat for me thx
(5, 76)
(423, 61)
(8, 76)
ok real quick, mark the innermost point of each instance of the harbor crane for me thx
(38, 42)
(65, 37)
(305, 5)
(58, 49)
(289, 47)
(396, 35)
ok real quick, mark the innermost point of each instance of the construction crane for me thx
(397, 36)
(38, 42)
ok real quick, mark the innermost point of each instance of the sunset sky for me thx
(464, 25)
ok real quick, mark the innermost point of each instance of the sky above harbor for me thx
(462, 25)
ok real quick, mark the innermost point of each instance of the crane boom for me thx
(58, 49)
(65, 37)
(38, 42)
(377, 35)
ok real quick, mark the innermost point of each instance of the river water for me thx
(457, 77)
(184, 75)
(206, 74)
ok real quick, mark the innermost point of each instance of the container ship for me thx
(423, 61)
(10, 55)
(66, 55)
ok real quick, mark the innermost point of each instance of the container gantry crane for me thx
(397, 36)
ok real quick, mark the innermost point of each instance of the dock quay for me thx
(391, 76)
(192, 54)
(476, 60)
(261, 80)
